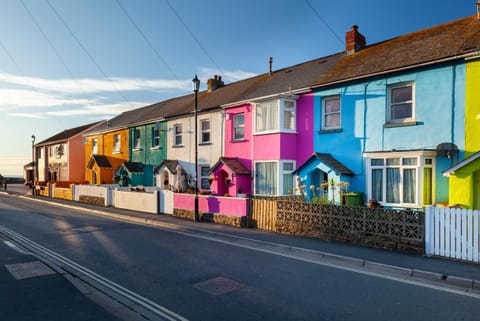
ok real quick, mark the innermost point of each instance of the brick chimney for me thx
(354, 40)
(214, 83)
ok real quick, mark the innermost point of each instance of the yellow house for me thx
(465, 175)
(105, 152)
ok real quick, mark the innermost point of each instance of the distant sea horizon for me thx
(12, 166)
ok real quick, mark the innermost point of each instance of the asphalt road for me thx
(202, 279)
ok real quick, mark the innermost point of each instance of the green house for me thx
(148, 147)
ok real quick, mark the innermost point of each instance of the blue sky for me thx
(65, 63)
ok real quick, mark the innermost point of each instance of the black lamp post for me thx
(196, 87)
(33, 164)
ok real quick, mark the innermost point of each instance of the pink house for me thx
(268, 138)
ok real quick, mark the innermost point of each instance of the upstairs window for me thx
(178, 134)
(331, 113)
(116, 143)
(238, 127)
(205, 126)
(94, 146)
(155, 137)
(275, 116)
(401, 107)
(137, 141)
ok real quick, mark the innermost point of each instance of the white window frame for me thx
(389, 118)
(279, 172)
(94, 146)
(117, 143)
(240, 126)
(420, 156)
(137, 139)
(177, 134)
(280, 110)
(205, 131)
(204, 178)
(155, 137)
(325, 113)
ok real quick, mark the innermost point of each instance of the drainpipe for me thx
(452, 125)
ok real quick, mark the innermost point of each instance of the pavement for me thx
(440, 273)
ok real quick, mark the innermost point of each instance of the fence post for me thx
(428, 230)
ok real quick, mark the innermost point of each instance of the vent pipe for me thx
(270, 61)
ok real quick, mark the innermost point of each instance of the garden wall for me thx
(401, 230)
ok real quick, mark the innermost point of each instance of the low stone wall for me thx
(237, 221)
(92, 200)
(399, 230)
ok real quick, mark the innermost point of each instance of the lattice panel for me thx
(370, 221)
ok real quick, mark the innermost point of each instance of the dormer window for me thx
(277, 115)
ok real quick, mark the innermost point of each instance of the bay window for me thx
(278, 115)
(274, 177)
(401, 179)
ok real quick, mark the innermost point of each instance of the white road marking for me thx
(48, 254)
(16, 248)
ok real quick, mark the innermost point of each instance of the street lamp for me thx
(196, 87)
(33, 164)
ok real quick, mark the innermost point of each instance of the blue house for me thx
(393, 113)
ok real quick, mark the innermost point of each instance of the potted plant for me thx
(227, 180)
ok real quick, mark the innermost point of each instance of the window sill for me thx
(330, 131)
(238, 140)
(155, 148)
(137, 149)
(402, 124)
(178, 146)
(116, 152)
(205, 144)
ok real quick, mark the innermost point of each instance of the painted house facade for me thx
(60, 157)
(393, 113)
(464, 176)
(270, 131)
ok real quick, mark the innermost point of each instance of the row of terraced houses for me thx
(399, 121)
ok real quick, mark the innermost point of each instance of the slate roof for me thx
(234, 164)
(442, 42)
(328, 160)
(100, 160)
(170, 164)
(133, 167)
(67, 134)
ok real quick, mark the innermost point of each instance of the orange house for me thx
(105, 152)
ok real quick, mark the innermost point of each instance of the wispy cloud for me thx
(227, 75)
(15, 98)
(42, 98)
(87, 85)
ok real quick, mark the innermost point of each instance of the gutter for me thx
(468, 56)
(285, 94)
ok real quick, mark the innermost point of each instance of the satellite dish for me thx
(447, 150)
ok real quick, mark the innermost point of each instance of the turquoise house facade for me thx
(148, 146)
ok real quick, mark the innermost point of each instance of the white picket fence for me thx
(453, 233)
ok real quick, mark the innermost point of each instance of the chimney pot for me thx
(214, 83)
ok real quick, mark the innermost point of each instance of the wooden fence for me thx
(453, 233)
(263, 214)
